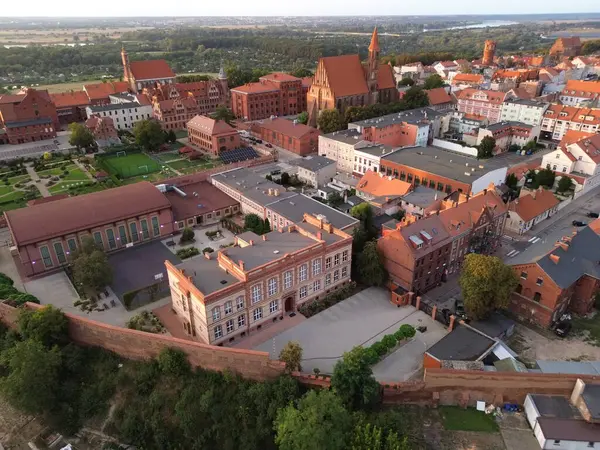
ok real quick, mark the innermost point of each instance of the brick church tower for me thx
(373, 66)
(489, 50)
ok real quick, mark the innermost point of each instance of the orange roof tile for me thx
(385, 77)
(151, 69)
(70, 99)
(585, 87)
(494, 97)
(591, 146)
(466, 214)
(256, 88)
(99, 91)
(211, 126)
(468, 78)
(377, 185)
(279, 77)
(595, 226)
(528, 207)
(345, 75)
(438, 96)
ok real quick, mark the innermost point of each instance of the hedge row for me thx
(12, 295)
(379, 349)
(312, 308)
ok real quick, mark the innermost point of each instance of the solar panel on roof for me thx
(238, 154)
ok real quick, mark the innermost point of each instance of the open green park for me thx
(15, 190)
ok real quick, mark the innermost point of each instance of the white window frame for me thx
(239, 302)
(288, 279)
(316, 267)
(303, 273)
(344, 272)
(241, 321)
(216, 313)
(336, 259)
(272, 286)
(257, 314)
(218, 332)
(345, 256)
(316, 285)
(227, 327)
(328, 279)
(328, 263)
(274, 306)
(336, 276)
(228, 307)
(256, 293)
(303, 292)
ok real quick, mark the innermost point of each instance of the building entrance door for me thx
(289, 304)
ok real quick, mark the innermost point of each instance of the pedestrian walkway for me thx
(83, 169)
(37, 181)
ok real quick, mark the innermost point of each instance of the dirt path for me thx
(531, 346)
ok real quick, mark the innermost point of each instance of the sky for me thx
(136, 8)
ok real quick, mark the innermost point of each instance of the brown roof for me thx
(209, 199)
(151, 69)
(210, 126)
(438, 96)
(70, 99)
(573, 114)
(11, 98)
(590, 145)
(279, 76)
(375, 184)
(494, 97)
(285, 127)
(307, 81)
(529, 208)
(256, 88)
(46, 221)
(345, 75)
(385, 77)
(99, 91)
(569, 429)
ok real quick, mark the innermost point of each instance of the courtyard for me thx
(361, 319)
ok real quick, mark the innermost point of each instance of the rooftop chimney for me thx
(241, 264)
(251, 242)
(207, 255)
(319, 236)
(555, 259)
(264, 237)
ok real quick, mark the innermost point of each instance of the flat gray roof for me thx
(274, 248)
(351, 136)
(591, 396)
(570, 367)
(524, 101)
(329, 238)
(422, 196)
(294, 208)
(114, 106)
(206, 274)
(444, 163)
(461, 344)
(507, 123)
(554, 406)
(413, 116)
(376, 149)
(313, 163)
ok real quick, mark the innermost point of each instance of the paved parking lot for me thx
(37, 148)
(360, 320)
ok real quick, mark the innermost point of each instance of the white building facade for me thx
(124, 115)
(529, 112)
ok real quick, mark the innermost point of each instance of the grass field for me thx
(459, 419)
(65, 87)
(131, 165)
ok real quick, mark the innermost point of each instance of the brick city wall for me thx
(133, 344)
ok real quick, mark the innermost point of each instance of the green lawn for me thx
(589, 327)
(56, 171)
(65, 185)
(168, 156)
(19, 179)
(459, 419)
(5, 189)
(181, 134)
(76, 175)
(130, 165)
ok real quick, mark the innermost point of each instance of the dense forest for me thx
(274, 48)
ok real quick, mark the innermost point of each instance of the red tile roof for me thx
(209, 199)
(494, 97)
(11, 98)
(210, 126)
(345, 75)
(70, 215)
(591, 146)
(70, 99)
(99, 91)
(256, 88)
(151, 69)
(375, 184)
(285, 127)
(279, 76)
(468, 78)
(307, 81)
(528, 207)
(573, 114)
(438, 96)
(582, 88)
(385, 77)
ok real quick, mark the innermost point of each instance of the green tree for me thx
(415, 97)
(433, 81)
(173, 361)
(370, 265)
(254, 223)
(330, 120)
(302, 118)
(291, 355)
(353, 380)
(486, 147)
(301, 72)
(564, 184)
(266, 226)
(47, 325)
(318, 422)
(486, 284)
(80, 137)
(511, 181)
(367, 436)
(285, 179)
(335, 199)
(223, 113)
(406, 81)
(91, 269)
(148, 134)
(545, 177)
(171, 136)
(364, 213)
(33, 376)
(187, 235)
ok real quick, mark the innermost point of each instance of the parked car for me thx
(593, 215)
(563, 328)
(579, 223)
(259, 141)
(269, 145)
(459, 309)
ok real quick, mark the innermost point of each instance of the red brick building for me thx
(419, 254)
(289, 135)
(175, 114)
(565, 279)
(70, 106)
(141, 74)
(343, 81)
(213, 136)
(103, 129)
(27, 117)
(566, 46)
(116, 217)
(275, 94)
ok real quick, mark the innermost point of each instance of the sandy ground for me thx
(531, 346)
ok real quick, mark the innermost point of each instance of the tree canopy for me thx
(415, 97)
(370, 267)
(564, 184)
(223, 113)
(80, 137)
(433, 81)
(302, 118)
(544, 177)
(330, 120)
(148, 134)
(353, 380)
(486, 284)
(318, 422)
(486, 147)
(511, 181)
(90, 266)
(291, 355)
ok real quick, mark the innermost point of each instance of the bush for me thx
(371, 356)
(399, 335)
(211, 234)
(185, 253)
(6, 280)
(207, 250)
(187, 235)
(389, 340)
(173, 361)
(315, 307)
(379, 348)
(407, 330)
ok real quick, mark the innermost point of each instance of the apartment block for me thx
(481, 102)
(558, 119)
(530, 112)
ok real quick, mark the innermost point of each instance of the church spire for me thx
(374, 46)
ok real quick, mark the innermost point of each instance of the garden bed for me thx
(317, 306)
